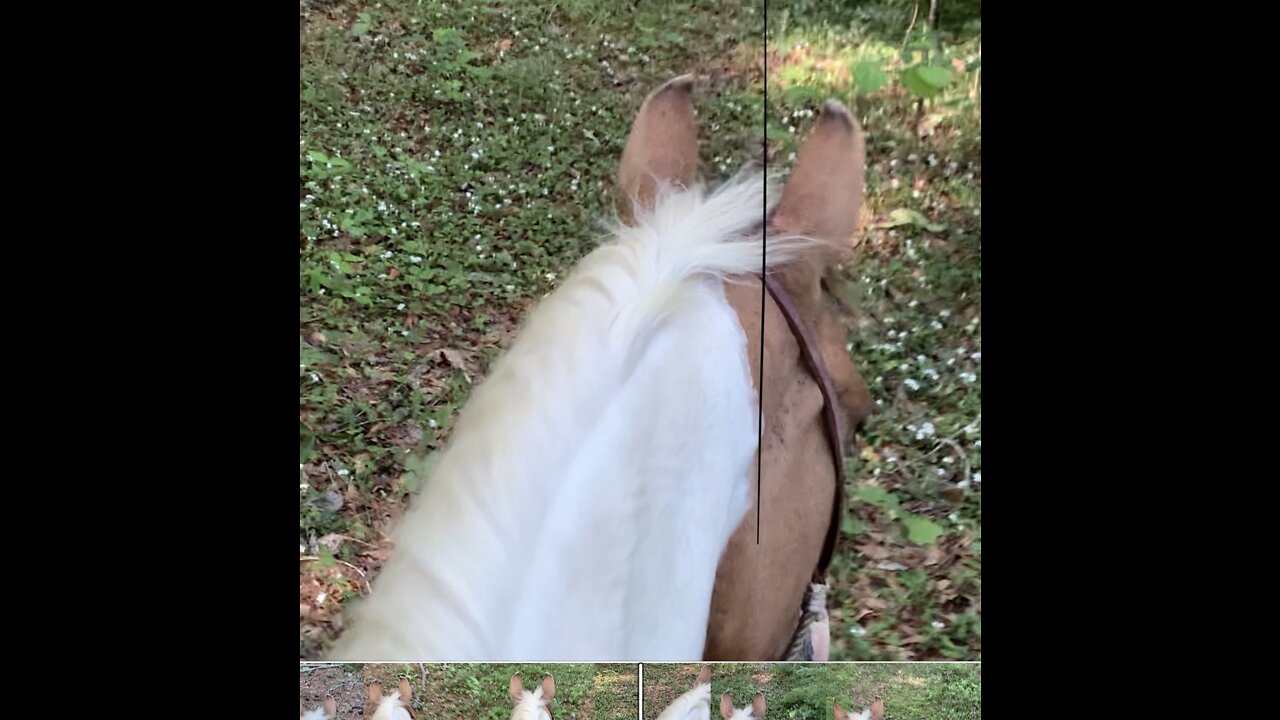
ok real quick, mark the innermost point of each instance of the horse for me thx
(534, 705)
(327, 711)
(694, 704)
(391, 707)
(875, 712)
(754, 711)
(593, 501)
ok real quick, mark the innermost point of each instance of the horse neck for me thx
(592, 482)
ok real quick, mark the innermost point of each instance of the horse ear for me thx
(548, 687)
(704, 677)
(330, 707)
(726, 706)
(877, 709)
(823, 197)
(662, 146)
(516, 688)
(757, 706)
(375, 693)
(840, 714)
(406, 692)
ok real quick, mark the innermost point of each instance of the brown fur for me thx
(760, 587)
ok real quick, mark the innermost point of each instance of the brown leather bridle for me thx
(813, 359)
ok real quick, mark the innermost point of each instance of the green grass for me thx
(454, 162)
(479, 692)
(454, 159)
(916, 691)
(907, 577)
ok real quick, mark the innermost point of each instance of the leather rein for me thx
(813, 360)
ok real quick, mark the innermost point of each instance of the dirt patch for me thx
(341, 682)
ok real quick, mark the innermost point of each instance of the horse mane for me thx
(693, 705)
(529, 705)
(563, 513)
(388, 706)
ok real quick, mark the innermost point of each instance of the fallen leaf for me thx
(869, 454)
(874, 552)
(920, 530)
(453, 358)
(393, 273)
(504, 44)
(905, 216)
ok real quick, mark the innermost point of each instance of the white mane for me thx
(594, 479)
(317, 714)
(391, 708)
(530, 706)
(693, 705)
(746, 713)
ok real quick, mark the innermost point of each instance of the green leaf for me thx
(359, 29)
(937, 77)
(773, 132)
(878, 496)
(904, 216)
(847, 526)
(868, 76)
(920, 530)
(925, 81)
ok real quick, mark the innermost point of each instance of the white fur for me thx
(391, 708)
(531, 707)
(746, 713)
(317, 714)
(594, 479)
(693, 705)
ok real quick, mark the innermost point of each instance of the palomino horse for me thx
(695, 704)
(813, 397)
(534, 705)
(328, 711)
(754, 711)
(596, 488)
(875, 712)
(391, 707)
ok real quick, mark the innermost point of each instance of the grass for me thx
(907, 575)
(479, 692)
(915, 691)
(453, 161)
(344, 682)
